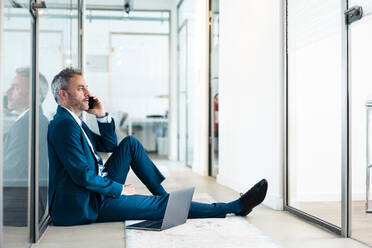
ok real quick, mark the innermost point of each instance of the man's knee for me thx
(129, 142)
(126, 141)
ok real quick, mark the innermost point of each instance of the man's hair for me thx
(43, 83)
(61, 81)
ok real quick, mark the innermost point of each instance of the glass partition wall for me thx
(360, 35)
(314, 109)
(329, 115)
(36, 41)
(44, 40)
(16, 84)
(128, 68)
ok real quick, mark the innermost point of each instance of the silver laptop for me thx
(175, 214)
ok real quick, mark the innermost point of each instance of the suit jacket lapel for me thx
(88, 132)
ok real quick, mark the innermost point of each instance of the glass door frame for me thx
(212, 171)
(344, 230)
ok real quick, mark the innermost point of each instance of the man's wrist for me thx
(101, 115)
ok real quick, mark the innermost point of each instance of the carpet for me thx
(230, 232)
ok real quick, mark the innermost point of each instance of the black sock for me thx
(234, 207)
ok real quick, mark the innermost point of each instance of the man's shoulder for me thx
(62, 124)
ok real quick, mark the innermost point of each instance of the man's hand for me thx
(98, 110)
(128, 189)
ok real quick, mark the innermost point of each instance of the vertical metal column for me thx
(33, 128)
(33, 213)
(34, 123)
(368, 164)
(81, 30)
(284, 137)
(210, 98)
(345, 125)
(81, 40)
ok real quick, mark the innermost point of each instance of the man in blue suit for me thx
(82, 189)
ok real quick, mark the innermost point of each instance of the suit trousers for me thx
(131, 154)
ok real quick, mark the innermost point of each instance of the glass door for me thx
(314, 111)
(360, 40)
(16, 95)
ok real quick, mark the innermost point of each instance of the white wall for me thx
(250, 109)
(200, 110)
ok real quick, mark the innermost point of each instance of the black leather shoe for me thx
(253, 197)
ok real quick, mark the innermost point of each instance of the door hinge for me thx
(210, 18)
(353, 14)
(35, 5)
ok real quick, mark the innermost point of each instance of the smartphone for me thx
(92, 102)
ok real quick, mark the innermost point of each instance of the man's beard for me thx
(81, 105)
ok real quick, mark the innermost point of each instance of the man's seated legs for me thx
(142, 207)
(132, 207)
(130, 153)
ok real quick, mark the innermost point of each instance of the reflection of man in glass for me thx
(15, 148)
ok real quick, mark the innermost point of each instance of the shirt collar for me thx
(21, 115)
(77, 119)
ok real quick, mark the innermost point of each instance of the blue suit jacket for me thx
(75, 189)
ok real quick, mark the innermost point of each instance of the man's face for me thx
(18, 93)
(78, 94)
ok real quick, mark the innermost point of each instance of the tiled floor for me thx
(284, 228)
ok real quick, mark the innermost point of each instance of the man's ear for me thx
(62, 94)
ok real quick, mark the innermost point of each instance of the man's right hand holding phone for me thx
(96, 107)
